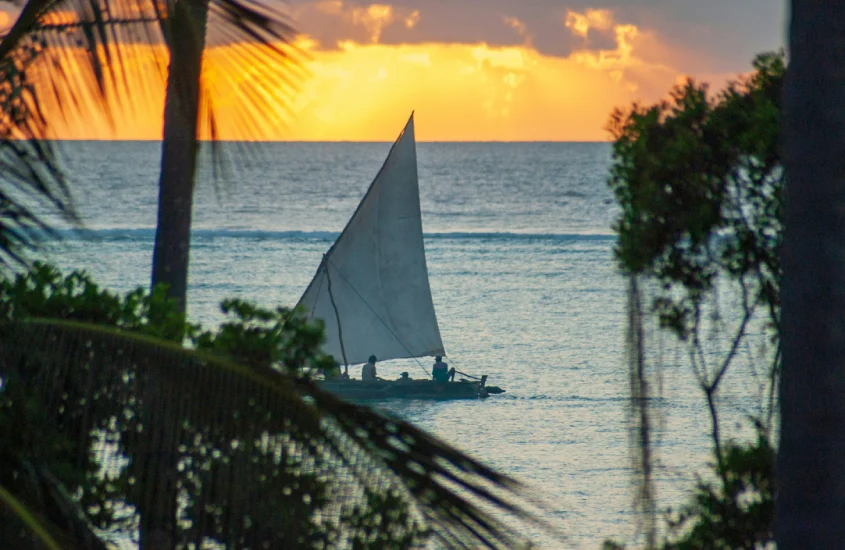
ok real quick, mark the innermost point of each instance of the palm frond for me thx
(77, 61)
(14, 507)
(24, 525)
(241, 444)
(31, 184)
(250, 56)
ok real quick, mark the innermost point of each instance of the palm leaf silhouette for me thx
(149, 412)
(99, 40)
(69, 60)
(220, 421)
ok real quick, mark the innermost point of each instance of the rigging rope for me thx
(401, 343)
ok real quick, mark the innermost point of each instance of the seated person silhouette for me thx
(441, 371)
(368, 371)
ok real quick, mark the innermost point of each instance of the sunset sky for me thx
(508, 70)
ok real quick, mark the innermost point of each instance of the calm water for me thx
(519, 250)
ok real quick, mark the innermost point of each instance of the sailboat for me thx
(372, 292)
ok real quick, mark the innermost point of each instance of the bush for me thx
(289, 495)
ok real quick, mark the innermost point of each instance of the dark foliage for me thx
(735, 512)
(259, 456)
(699, 180)
(700, 183)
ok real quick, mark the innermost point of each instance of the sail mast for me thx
(336, 314)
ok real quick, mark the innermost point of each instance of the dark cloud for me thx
(708, 36)
(713, 35)
(728, 33)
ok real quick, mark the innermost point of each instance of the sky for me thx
(488, 70)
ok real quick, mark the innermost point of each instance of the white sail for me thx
(380, 299)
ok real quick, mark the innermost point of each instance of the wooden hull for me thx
(357, 390)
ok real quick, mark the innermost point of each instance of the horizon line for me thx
(146, 140)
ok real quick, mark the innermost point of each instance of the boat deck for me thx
(357, 390)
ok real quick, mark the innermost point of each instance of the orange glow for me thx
(460, 92)
(135, 115)
(581, 23)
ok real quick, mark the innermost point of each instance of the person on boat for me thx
(404, 377)
(332, 372)
(368, 372)
(441, 371)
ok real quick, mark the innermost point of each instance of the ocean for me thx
(520, 254)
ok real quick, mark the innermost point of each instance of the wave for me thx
(148, 234)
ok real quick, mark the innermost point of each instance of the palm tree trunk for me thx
(185, 35)
(811, 457)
